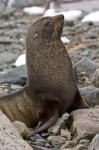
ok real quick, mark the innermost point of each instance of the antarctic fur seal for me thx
(51, 86)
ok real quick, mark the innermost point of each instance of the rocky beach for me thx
(78, 130)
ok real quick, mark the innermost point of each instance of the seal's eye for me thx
(47, 23)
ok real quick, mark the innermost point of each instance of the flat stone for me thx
(56, 140)
(95, 143)
(91, 95)
(21, 127)
(10, 137)
(66, 133)
(95, 79)
(85, 65)
(14, 76)
(85, 123)
(7, 57)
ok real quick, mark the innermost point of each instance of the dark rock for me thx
(91, 95)
(85, 65)
(14, 76)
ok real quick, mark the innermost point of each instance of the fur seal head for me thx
(47, 28)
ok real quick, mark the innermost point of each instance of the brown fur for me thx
(51, 88)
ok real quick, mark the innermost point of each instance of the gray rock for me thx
(19, 3)
(85, 65)
(69, 144)
(23, 3)
(36, 137)
(85, 142)
(66, 133)
(80, 147)
(95, 79)
(56, 140)
(35, 147)
(7, 57)
(21, 127)
(95, 143)
(91, 95)
(10, 139)
(85, 123)
(14, 76)
(42, 143)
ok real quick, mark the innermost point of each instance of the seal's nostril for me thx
(61, 16)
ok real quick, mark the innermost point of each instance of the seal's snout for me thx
(59, 18)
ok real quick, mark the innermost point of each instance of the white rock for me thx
(51, 10)
(92, 17)
(21, 60)
(10, 3)
(35, 10)
(71, 15)
(65, 40)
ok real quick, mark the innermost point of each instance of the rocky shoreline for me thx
(84, 52)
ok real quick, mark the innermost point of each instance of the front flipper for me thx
(47, 118)
(44, 126)
(78, 103)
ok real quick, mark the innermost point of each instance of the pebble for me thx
(80, 147)
(36, 137)
(56, 140)
(7, 57)
(95, 78)
(91, 95)
(66, 134)
(95, 143)
(21, 127)
(69, 144)
(85, 65)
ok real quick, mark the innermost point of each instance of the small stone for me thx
(21, 127)
(66, 134)
(56, 140)
(91, 95)
(14, 76)
(85, 142)
(95, 79)
(80, 147)
(47, 145)
(95, 143)
(35, 137)
(69, 144)
(7, 57)
(67, 149)
(85, 65)
(85, 123)
(35, 147)
(42, 143)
